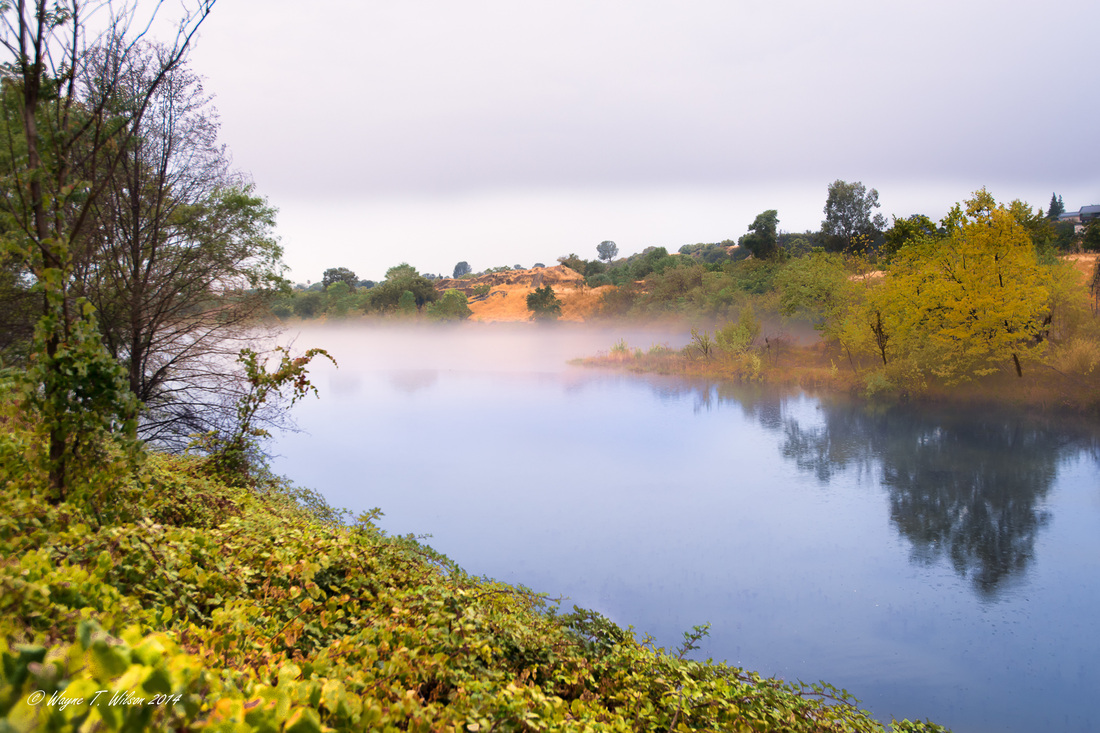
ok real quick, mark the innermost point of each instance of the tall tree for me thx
(849, 215)
(60, 122)
(179, 255)
(462, 268)
(1057, 208)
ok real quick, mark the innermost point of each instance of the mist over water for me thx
(936, 565)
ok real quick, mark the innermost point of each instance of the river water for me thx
(935, 565)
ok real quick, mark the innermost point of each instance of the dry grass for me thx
(507, 298)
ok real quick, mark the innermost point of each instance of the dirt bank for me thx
(508, 291)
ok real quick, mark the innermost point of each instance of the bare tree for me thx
(179, 256)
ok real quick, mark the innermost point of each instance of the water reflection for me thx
(966, 488)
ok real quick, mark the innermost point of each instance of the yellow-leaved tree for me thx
(966, 303)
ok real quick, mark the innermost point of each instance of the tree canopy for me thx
(849, 214)
(340, 274)
(544, 304)
(607, 250)
(966, 304)
(762, 241)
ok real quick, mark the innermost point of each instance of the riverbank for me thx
(204, 605)
(817, 368)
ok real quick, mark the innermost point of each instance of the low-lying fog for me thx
(474, 347)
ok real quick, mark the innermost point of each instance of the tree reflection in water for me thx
(965, 486)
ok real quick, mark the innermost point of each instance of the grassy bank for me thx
(780, 363)
(189, 604)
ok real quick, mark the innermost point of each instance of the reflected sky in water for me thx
(934, 565)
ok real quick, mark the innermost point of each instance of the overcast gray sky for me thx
(506, 133)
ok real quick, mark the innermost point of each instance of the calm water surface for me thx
(937, 566)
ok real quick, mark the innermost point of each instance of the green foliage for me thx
(451, 307)
(762, 240)
(543, 304)
(816, 287)
(309, 304)
(338, 299)
(234, 452)
(738, 336)
(480, 291)
(849, 212)
(1057, 208)
(906, 231)
(574, 263)
(339, 274)
(461, 269)
(78, 393)
(607, 250)
(1090, 242)
(389, 295)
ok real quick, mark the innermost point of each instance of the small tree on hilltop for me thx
(543, 304)
(607, 250)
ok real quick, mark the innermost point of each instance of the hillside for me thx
(507, 298)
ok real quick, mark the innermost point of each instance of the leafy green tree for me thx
(387, 295)
(737, 336)
(339, 274)
(849, 214)
(1039, 228)
(816, 287)
(453, 306)
(404, 271)
(798, 247)
(1090, 241)
(544, 304)
(607, 250)
(406, 304)
(462, 268)
(762, 240)
(338, 299)
(573, 262)
(907, 230)
(308, 304)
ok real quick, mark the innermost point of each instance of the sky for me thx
(501, 132)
